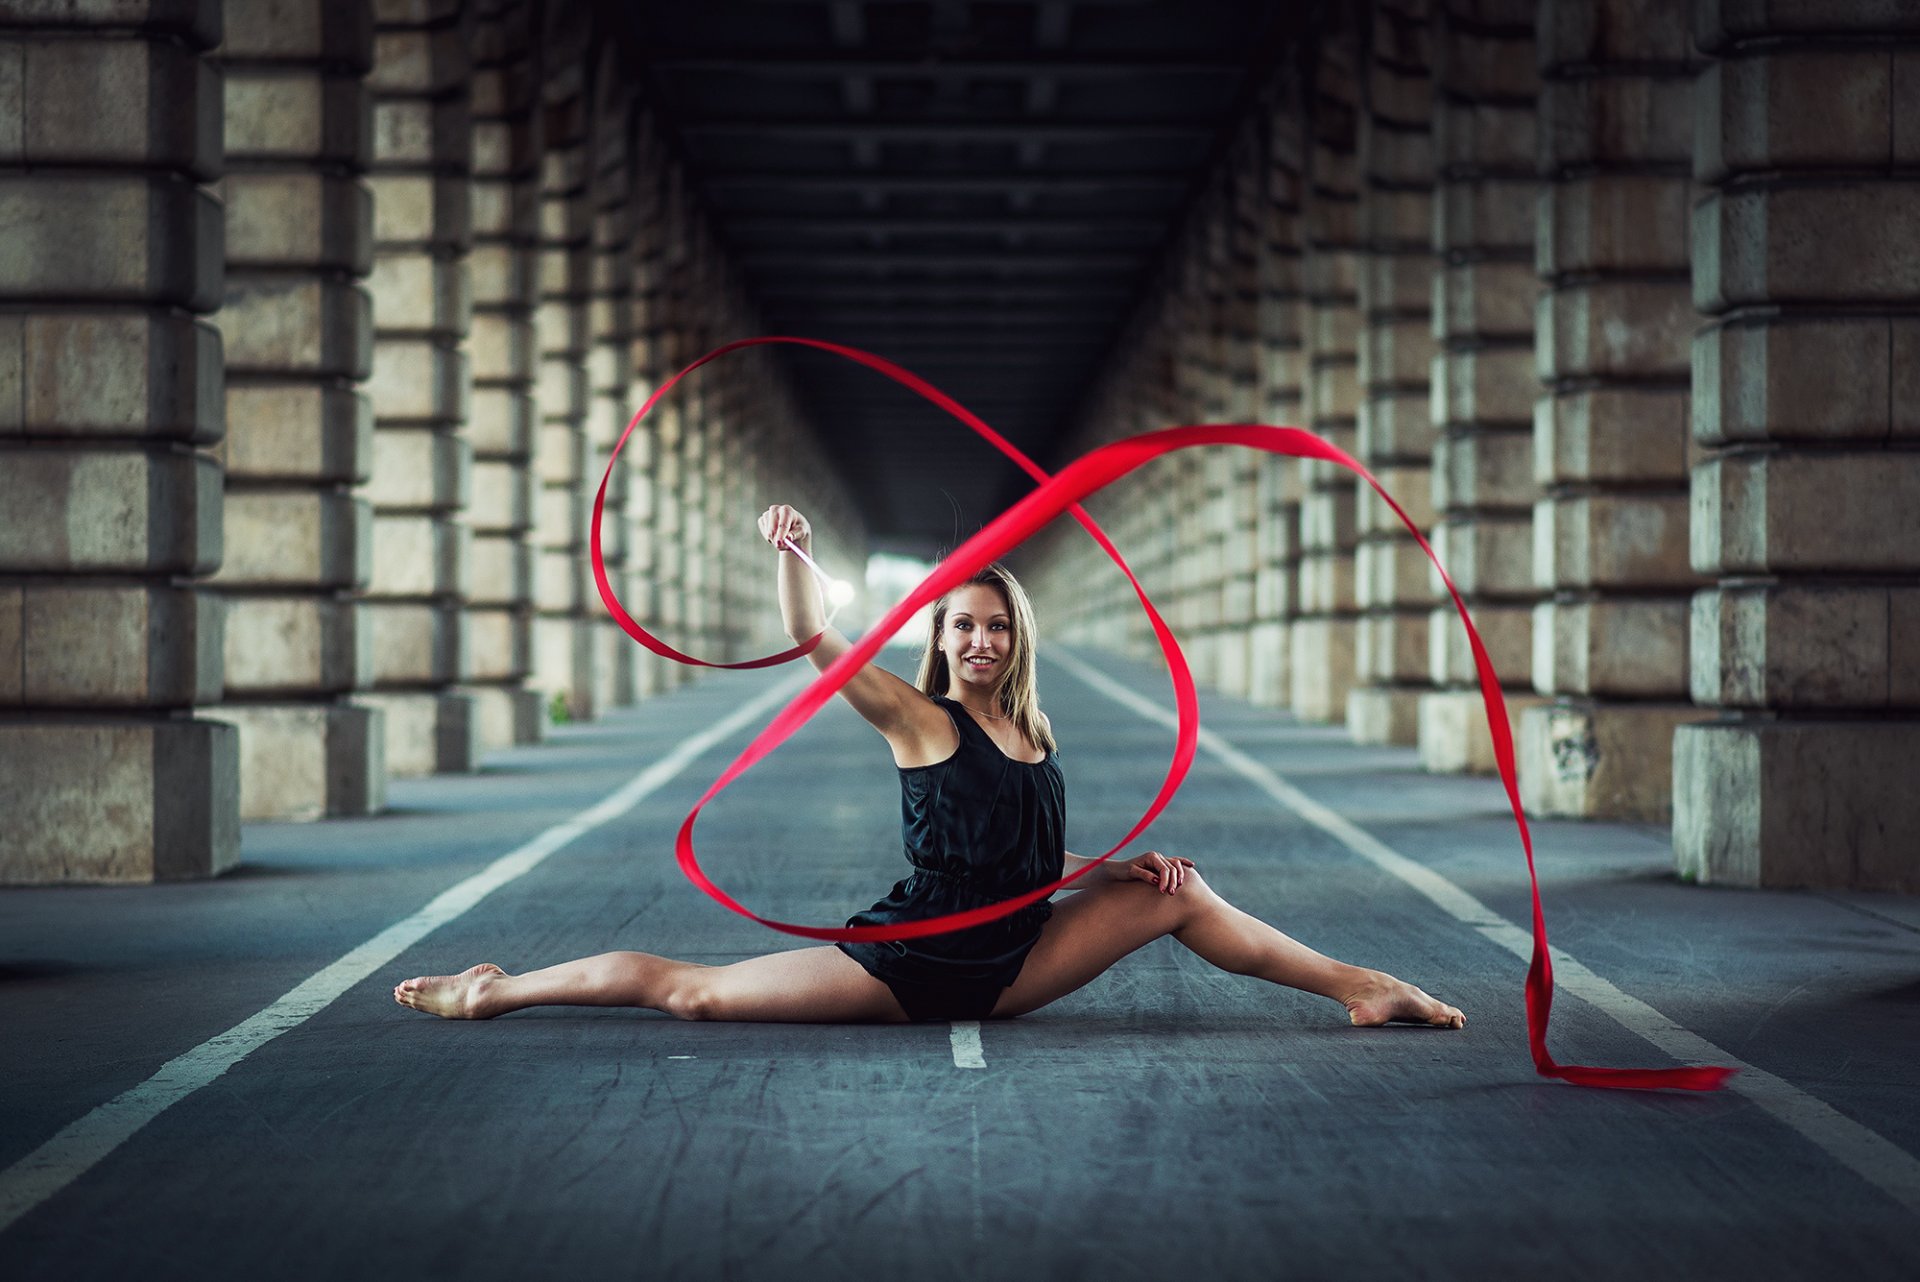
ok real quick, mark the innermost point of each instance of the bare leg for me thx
(804, 985)
(1096, 927)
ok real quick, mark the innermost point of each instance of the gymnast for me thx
(984, 812)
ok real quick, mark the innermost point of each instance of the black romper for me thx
(979, 827)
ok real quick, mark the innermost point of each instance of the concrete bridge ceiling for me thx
(977, 191)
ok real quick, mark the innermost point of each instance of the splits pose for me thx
(984, 819)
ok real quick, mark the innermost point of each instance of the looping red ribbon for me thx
(1058, 493)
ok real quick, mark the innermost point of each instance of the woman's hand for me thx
(1168, 872)
(780, 523)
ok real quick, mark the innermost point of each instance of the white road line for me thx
(77, 1148)
(1867, 1153)
(966, 1044)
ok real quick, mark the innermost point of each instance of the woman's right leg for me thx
(803, 985)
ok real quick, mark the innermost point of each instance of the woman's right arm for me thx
(893, 707)
(801, 610)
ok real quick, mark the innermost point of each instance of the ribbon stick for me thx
(838, 592)
(1059, 493)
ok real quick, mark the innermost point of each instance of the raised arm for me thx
(893, 707)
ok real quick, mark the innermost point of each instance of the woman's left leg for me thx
(1094, 928)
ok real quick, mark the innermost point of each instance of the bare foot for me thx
(462, 996)
(1384, 999)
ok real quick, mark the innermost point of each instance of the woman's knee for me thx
(692, 997)
(1172, 911)
(1193, 897)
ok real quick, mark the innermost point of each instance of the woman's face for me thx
(977, 638)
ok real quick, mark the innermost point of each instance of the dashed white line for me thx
(979, 1216)
(965, 1037)
(81, 1145)
(1867, 1153)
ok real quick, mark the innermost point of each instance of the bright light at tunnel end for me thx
(889, 578)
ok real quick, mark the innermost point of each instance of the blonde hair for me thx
(1018, 694)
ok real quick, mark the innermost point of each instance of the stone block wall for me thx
(1806, 500)
(1612, 335)
(1323, 628)
(1282, 374)
(609, 368)
(1392, 583)
(1483, 384)
(565, 650)
(506, 148)
(299, 434)
(420, 489)
(111, 413)
(298, 330)
(223, 593)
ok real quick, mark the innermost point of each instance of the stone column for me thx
(110, 392)
(563, 632)
(1323, 630)
(1610, 437)
(610, 370)
(1163, 537)
(727, 516)
(1806, 397)
(699, 431)
(1282, 378)
(298, 334)
(1194, 585)
(1484, 385)
(1395, 436)
(675, 350)
(765, 418)
(422, 461)
(500, 427)
(1240, 384)
(647, 361)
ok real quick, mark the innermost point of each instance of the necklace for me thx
(997, 716)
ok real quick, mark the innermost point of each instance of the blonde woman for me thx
(983, 819)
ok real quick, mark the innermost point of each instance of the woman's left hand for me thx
(1168, 872)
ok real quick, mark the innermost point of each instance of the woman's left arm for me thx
(1166, 872)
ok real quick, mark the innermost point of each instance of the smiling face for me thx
(976, 638)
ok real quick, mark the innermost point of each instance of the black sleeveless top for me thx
(978, 827)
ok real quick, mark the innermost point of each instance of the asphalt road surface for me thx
(211, 1080)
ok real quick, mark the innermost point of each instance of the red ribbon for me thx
(1056, 494)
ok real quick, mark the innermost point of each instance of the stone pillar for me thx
(563, 632)
(647, 361)
(1282, 379)
(1395, 437)
(1610, 436)
(1484, 386)
(699, 431)
(298, 334)
(1806, 397)
(726, 516)
(732, 496)
(500, 426)
(610, 370)
(422, 461)
(768, 414)
(1194, 584)
(675, 349)
(1240, 351)
(110, 392)
(1323, 630)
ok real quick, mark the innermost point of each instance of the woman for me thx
(984, 817)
